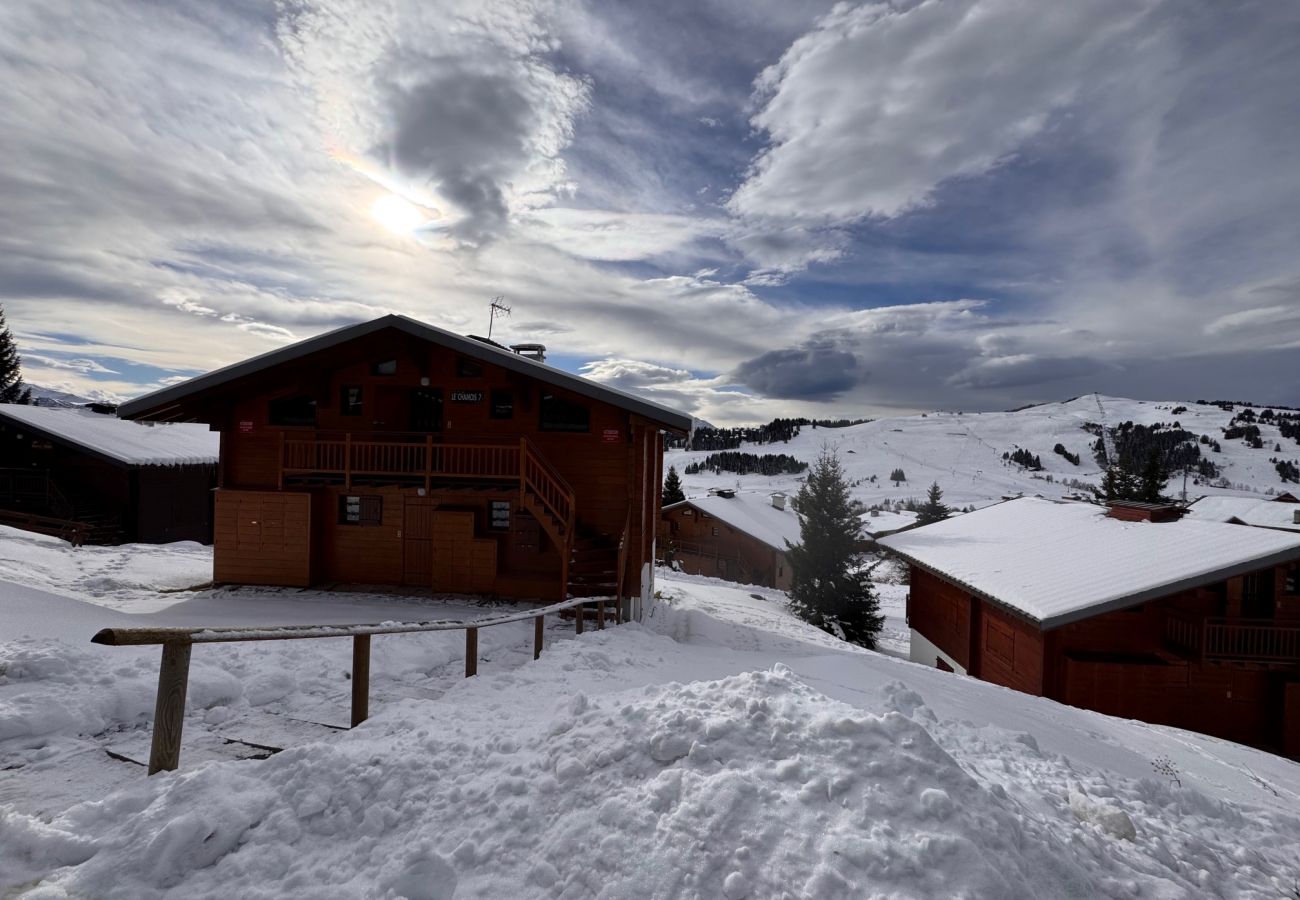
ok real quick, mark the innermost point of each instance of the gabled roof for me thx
(1057, 563)
(1247, 511)
(155, 404)
(750, 513)
(114, 440)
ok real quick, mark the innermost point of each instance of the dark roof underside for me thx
(154, 404)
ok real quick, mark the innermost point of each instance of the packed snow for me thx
(1056, 560)
(132, 443)
(721, 748)
(1247, 511)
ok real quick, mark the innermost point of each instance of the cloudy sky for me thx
(744, 208)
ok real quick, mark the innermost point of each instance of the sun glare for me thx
(397, 214)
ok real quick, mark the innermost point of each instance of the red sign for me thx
(245, 427)
(610, 435)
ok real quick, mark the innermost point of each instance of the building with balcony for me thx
(1132, 611)
(734, 535)
(396, 453)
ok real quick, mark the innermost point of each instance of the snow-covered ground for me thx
(963, 452)
(721, 748)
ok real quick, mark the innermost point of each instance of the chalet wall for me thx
(262, 537)
(922, 650)
(1010, 652)
(942, 612)
(174, 503)
(730, 554)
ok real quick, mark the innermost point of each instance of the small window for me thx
(500, 514)
(1293, 580)
(559, 414)
(296, 410)
(468, 368)
(503, 405)
(715, 532)
(350, 400)
(361, 509)
(386, 367)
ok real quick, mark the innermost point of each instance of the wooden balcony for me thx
(1235, 640)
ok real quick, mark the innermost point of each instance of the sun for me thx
(398, 214)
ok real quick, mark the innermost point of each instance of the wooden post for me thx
(347, 461)
(428, 462)
(579, 612)
(538, 627)
(600, 615)
(360, 678)
(279, 470)
(169, 709)
(471, 652)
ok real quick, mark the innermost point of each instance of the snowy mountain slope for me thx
(722, 749)
(963, 452)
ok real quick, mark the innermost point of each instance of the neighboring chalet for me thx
(396, 453)
(731, 535)
(1283, 515)
(89, 477)
(1127, 611)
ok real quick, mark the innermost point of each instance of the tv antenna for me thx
(496, 309)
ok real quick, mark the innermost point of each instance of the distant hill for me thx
(48, 396)
(973, 455)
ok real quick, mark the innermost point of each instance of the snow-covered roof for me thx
(887, 522)
(132, 443)
(752, 513)
(1060, 562)
(1247, 510)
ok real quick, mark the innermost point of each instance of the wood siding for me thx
(702, 545)
(262, 538)
(941, 611)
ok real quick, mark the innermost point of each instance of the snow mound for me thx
(751, 786)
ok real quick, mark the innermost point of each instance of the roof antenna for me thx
(496, 309)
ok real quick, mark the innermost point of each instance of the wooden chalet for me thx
(395, 453)
(736, 536)
(89, 477)
(1130, 611)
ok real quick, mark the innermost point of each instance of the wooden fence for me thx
(173, 673)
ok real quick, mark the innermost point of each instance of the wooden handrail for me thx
(350, 457)
(537, 475)
(173, 673)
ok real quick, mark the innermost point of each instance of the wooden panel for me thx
(262, 538)
(462, 563)
(1010, 651)
(941, 611)
(417, 541)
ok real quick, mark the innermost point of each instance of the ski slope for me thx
(963, 452)
(722, 748)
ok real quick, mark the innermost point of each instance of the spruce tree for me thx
(1151, 483)
(933, 509)
(672, 492)
(828, 585)
(12, 389)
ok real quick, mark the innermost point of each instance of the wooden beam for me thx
(600, 615)
(471, 652)
(580, 612)
(539, 626)
(169, 708)
(360, 679)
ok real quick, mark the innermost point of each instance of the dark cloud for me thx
(817, 371)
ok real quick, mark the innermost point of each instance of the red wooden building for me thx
(396, 453)
(736, 536)
(1130, 611)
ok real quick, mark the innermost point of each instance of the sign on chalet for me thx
(396, 453)
(731, 535)
(90, 477)
(1130, 611)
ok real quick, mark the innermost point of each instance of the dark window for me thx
(500, 514)
(1293, 580)
(503, 405)
(350, 400)
(386, 367)
(468, 368)
(426, 409)
(559, 414)
(361, 509)
(299, 409)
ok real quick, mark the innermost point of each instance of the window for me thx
(503, 405)
(1293, 580)
(386, 367)
(299, 409)
(468, 368)
(350, 400)
(559, 414)
(715, 531)
(500, 514)
(361, 509)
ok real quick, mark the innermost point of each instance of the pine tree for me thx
(1151, 483)
(897, 476)
(933, 509)
(12, 389)
(672, 492)
(828, 586)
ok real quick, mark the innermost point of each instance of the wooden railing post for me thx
(538, 629)
(580, 610)
(347, 461)
(279, 478)
(471, 652)
(169, 708)
(600, 615)
(360, 678)
(428, 462)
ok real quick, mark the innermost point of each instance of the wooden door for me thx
(417, 541)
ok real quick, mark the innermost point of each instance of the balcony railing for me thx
(1245, 640)
(346, 458)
